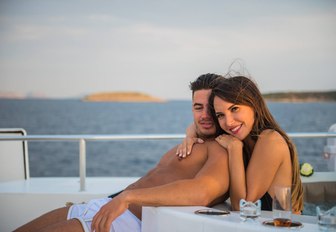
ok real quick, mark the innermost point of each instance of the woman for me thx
(261, 155)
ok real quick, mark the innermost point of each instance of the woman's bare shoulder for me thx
(270, 135)
(271, 140)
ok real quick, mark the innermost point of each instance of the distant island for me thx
(122, 97)
(301, 96)
(132, 96)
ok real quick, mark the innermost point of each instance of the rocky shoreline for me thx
(329, 96)
(122, 97)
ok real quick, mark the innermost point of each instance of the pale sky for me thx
(69, 48)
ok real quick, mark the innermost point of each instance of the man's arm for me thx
(211, 182)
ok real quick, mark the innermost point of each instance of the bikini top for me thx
(266, 202)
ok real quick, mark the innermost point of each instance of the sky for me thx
(71, 48)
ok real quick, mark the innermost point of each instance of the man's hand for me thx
(102, 221)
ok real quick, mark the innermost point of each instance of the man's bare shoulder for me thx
(211, 142)
(214, 148)
(199, 153)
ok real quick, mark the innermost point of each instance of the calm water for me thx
(137, 157)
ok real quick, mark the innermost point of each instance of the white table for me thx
(183, 219)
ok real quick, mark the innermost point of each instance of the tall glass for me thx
(326, 218)
(282, 206)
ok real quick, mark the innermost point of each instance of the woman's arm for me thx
(236, 168)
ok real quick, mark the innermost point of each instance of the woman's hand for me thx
(184, 149)
(229, 142)
(102, 221)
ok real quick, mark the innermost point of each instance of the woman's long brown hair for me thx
(243, 91)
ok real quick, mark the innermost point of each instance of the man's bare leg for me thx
(53, 217)
(72, 225)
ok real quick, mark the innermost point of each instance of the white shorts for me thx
(126, 222)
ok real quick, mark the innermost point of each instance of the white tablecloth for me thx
(183, 219)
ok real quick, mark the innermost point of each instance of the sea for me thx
(135, 158)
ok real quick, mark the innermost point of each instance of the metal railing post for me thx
(82, 164)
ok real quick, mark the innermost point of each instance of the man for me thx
(201, 180)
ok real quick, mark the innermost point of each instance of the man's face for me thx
(200, 107)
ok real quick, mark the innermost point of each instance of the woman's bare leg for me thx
(50, 218)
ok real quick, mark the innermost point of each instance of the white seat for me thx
(13, 156)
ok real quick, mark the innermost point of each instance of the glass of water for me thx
(249, 210)
(326, 218)
(282, 206)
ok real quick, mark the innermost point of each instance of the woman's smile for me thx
(235, 130)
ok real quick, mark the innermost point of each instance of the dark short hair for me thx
(205, 81)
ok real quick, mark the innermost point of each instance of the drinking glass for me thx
(326, 218)
(249, 210)
(282, 206)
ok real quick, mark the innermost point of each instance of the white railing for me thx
(81, 139)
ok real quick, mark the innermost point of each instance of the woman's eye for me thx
(235, 108)
(219, 116)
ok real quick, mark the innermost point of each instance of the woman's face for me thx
(236, 120)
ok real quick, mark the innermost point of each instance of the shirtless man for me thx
(202, 180)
